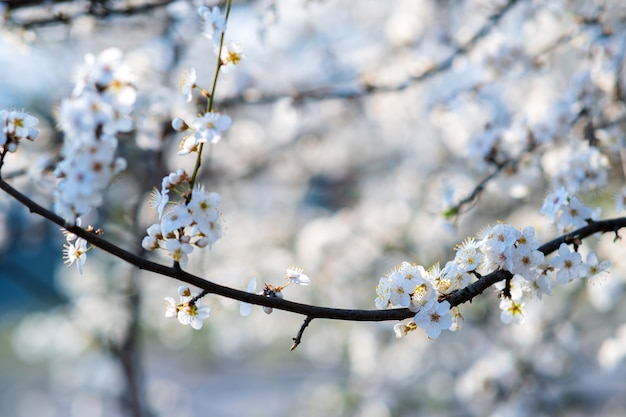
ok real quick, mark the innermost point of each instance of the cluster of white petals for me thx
(202, 129)
(567, 211)
(580, 167)
(97, 111)
(410, 286)
(14, 127)
(193, 221)
(187, 311)
(497, 247)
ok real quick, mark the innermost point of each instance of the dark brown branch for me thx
(208, 286)
(456, 298)
(602, 226)
(298, 339)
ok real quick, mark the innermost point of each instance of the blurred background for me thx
(360, 130)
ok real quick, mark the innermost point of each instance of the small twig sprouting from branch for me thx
(512, 163)
(478, 189)
(298, 338)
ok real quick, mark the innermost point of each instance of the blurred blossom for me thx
(620, 201)
(187, 83)
(479, 382)
(613, 350)
(45, 336)
(554, 202)
(99, 109)
(36, 403)
(577, 168)
(245, 308)
(606, 290)
(214, 23)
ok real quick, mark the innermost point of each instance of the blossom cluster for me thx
(579, 167)
(230, 53)
(99, 109)
(410, 286)
(209, 126)
(194, 220)
(497, 247)
(187, 311)
(567, 211)
(14, 127)
(202, 129)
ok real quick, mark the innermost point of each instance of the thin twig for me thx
(478, 189)
(500, 167)
(298, 338)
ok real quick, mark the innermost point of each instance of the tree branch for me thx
(359, 88)
(97, 9)
(312, 312)
(298, 339)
